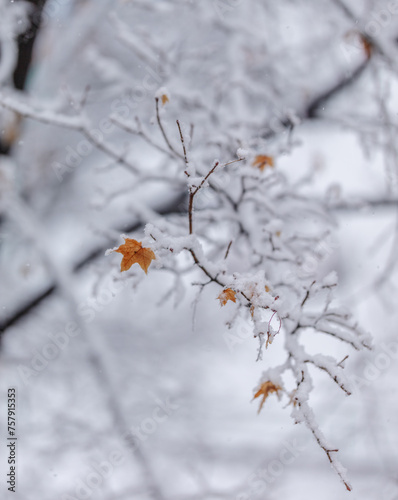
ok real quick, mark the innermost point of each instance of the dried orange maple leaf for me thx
(266, 388)
(226, 295)
(133, 252)
(262, 161)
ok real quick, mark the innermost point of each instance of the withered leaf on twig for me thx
(133, 252)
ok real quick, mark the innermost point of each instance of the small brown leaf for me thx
(133, 252)
(226, 295)
(367, 45)
(164, 99)
(266, 288)
(292, 398)
(266, 388)
(262, 161)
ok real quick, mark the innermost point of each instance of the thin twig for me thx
(163, 131)
(140, 132)
(333, 377)
(227, 252)
(190, 210)
(211, 171)
(183, 145)
(77, 123)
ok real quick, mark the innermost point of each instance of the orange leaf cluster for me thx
(266, 388)
(134, 253)
(226, 295)
(262, 161)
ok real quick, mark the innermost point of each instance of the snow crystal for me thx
(242, 153)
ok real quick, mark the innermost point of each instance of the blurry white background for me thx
(312, 84)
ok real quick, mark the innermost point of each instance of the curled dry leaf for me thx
(226, 295)
(367, 46)
(133, 252)
(262, 161)
(292, 398)
(266, 388)
(164, 99)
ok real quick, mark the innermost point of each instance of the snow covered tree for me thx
(173, 133)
